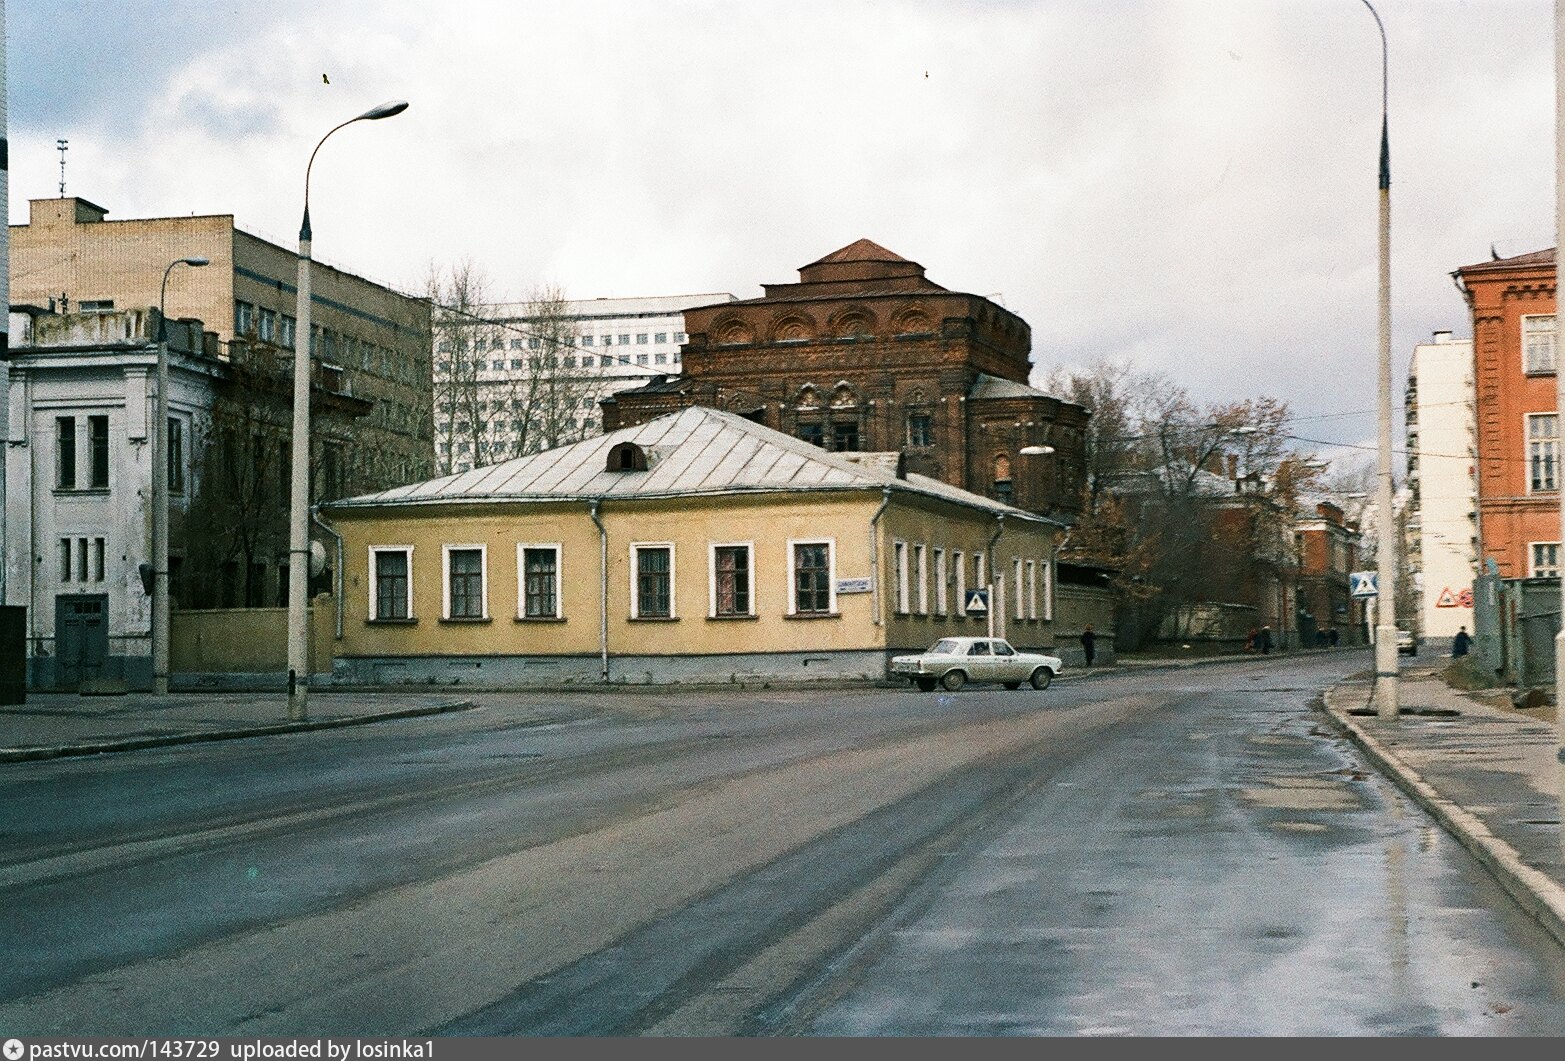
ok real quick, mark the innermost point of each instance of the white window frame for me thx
(1533, 570)
(1032, 589)
(831, 574)
(899, 562)
(711, 578)
(941, 600)
(921, 568)
(980, 571)
(635, 580)
(1016, 578)
(1048, 588)
(1531, 441)
(521, 579)
(959, 566)
(374, 582)
(1528, 367)
(446, 549)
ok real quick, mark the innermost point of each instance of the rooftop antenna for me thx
(64, 146)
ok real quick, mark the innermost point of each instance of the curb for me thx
(62, 751)
(1534, 891)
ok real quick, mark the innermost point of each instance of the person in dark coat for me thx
(1266, 640)
(1089, 644)
(1461, 643)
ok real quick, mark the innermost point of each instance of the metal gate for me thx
(81, 638)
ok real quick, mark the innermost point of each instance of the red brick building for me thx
(1328, 552)
(866, 353)
(1514, 354)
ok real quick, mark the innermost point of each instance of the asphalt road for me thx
(1171, 852)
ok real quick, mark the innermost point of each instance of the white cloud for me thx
(1189, 183)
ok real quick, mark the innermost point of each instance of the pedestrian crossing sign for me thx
(1363, 584)
(977, 602)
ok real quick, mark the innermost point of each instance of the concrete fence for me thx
(242, 646)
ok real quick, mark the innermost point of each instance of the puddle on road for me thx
(1303, 794)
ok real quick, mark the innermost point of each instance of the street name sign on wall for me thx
(853, 585)
(1364, 584)
(977, 602)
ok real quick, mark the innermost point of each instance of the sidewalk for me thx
(1488, 774)
(52, 725)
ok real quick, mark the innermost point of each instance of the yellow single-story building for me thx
(697, 547)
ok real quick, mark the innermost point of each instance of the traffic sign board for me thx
(977, 602)
(1362, 584)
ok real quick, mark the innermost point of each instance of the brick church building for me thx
(866, 353)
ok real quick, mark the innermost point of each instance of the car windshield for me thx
(945, 647)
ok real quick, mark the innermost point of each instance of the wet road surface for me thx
(1158, 853)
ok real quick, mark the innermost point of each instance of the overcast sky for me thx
(1190, 185)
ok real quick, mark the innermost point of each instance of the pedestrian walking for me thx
(1266, 640)
(1250, 640)
(1089, 644)
(1461, 643)
(1332, 637)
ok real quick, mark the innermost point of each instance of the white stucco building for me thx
(78, 483)
(613, 344)
(1442, 527)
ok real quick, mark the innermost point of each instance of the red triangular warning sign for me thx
(1447, 599)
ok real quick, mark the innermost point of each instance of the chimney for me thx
(1442, 337)
(1233, 466)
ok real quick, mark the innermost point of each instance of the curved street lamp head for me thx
(196, 261)
(385, 110)
(1036, 451)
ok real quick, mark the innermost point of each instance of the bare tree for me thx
(507, 383)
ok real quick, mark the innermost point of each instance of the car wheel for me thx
(1012, 685)
(953, 680)
(925, 685)
(1042, 677)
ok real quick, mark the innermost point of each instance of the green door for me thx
(81, 638)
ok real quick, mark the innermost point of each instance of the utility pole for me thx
(1387, 699)
(1559, 375)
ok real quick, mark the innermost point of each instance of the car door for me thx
(980, 662)
(1007, 663)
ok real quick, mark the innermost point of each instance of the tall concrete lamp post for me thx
(160, 471)
(1387, 697)
(1559, 375)
(299, 492)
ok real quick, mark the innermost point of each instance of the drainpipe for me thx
(603, 586)
(874, 553)
(993, 562)
(337, 573)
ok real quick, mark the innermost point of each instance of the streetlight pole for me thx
(1387, 697)
(160, 469)
(299, 491)
(1559, 288)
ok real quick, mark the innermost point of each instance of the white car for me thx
(955, 661)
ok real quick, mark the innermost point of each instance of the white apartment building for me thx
(1442, 517)
(611, 344)
(78, 518)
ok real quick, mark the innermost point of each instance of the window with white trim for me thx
(812, 578)
(732, 585)
(1016, 585)
(959, 566)
(1048, 589)
(1032, 589)
(1543, 450)
(391, 581)
(921, 572)
(899, 560)
(1545, 560)
(466, 581)
(940, 582)
(980, 571)
(538, 564)
(1538, 344)
(652, 580)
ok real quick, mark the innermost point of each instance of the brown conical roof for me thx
(860, 250)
